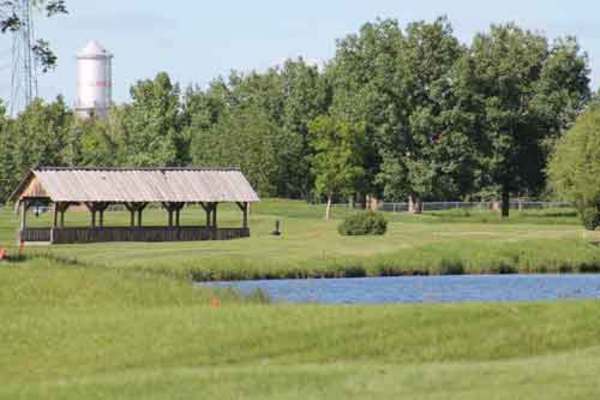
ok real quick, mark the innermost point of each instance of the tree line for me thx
(398, 113)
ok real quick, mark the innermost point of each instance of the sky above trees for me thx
(197, 41)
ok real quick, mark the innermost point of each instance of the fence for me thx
(461, 205)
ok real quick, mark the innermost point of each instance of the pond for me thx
(425, 289)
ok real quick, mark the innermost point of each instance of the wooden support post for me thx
(62, 218)
(55, 215)
(131, 208)
(141, 207)
(244, 207)
(214, 215)
(24, 207)
(207, 208)
(178, 207)
(93, 208)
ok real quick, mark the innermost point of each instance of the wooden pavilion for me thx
(135, 189)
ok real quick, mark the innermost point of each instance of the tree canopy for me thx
(400, 113)
(574, 167)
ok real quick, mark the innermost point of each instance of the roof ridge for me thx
(88, 168)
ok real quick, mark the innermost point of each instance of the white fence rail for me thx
(460, 205)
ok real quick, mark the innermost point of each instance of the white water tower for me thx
(94, 81)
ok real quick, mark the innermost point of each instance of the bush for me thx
(368, 223)
(590, 217)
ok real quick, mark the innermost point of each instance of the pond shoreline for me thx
(422, 289)
(231, 273)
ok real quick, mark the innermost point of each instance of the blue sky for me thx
(195, 41)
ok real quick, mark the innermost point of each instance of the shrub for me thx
(366, 223)
(590, 217)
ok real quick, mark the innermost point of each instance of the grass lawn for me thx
(71, 332)
(123, 321)
(434, 243)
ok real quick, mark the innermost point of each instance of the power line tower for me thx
(24, 87)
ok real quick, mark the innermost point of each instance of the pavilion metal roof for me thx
(187, 185)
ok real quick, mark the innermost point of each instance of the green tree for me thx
(37, 137)
(365, 91)
(306, 96)
(7, 165)
(12, 21)
(524, 93)
(574, 167)
(152, 124)
(245, 138)
(337, 164)
(426, 146)
(400, 84)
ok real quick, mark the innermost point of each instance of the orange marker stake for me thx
(215, 302)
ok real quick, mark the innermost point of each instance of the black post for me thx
(214, 215)
(55, 215)
(207, 208)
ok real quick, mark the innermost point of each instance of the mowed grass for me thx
(452, 241)
(72, 332)
(118, 321)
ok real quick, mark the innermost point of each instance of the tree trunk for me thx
(505, 203)
(328, 208)
(415, 204)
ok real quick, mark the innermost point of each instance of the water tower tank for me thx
(94, 81)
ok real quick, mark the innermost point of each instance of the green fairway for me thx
(435, 243)
(122, 320)
(91, 333)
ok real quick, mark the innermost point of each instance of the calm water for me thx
(426, 289)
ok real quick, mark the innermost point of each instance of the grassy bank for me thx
(122, 321)
(449, 242)
(89, 333)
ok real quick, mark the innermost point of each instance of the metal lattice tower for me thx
(24, 69)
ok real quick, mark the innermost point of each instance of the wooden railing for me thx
(131, 234)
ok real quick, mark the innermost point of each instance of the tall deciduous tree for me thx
(523, 91)
(306, 95)
(338, 163)
(245, 138)
(152, 124)
(420, 152)
(574, 167)
(365, 91)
